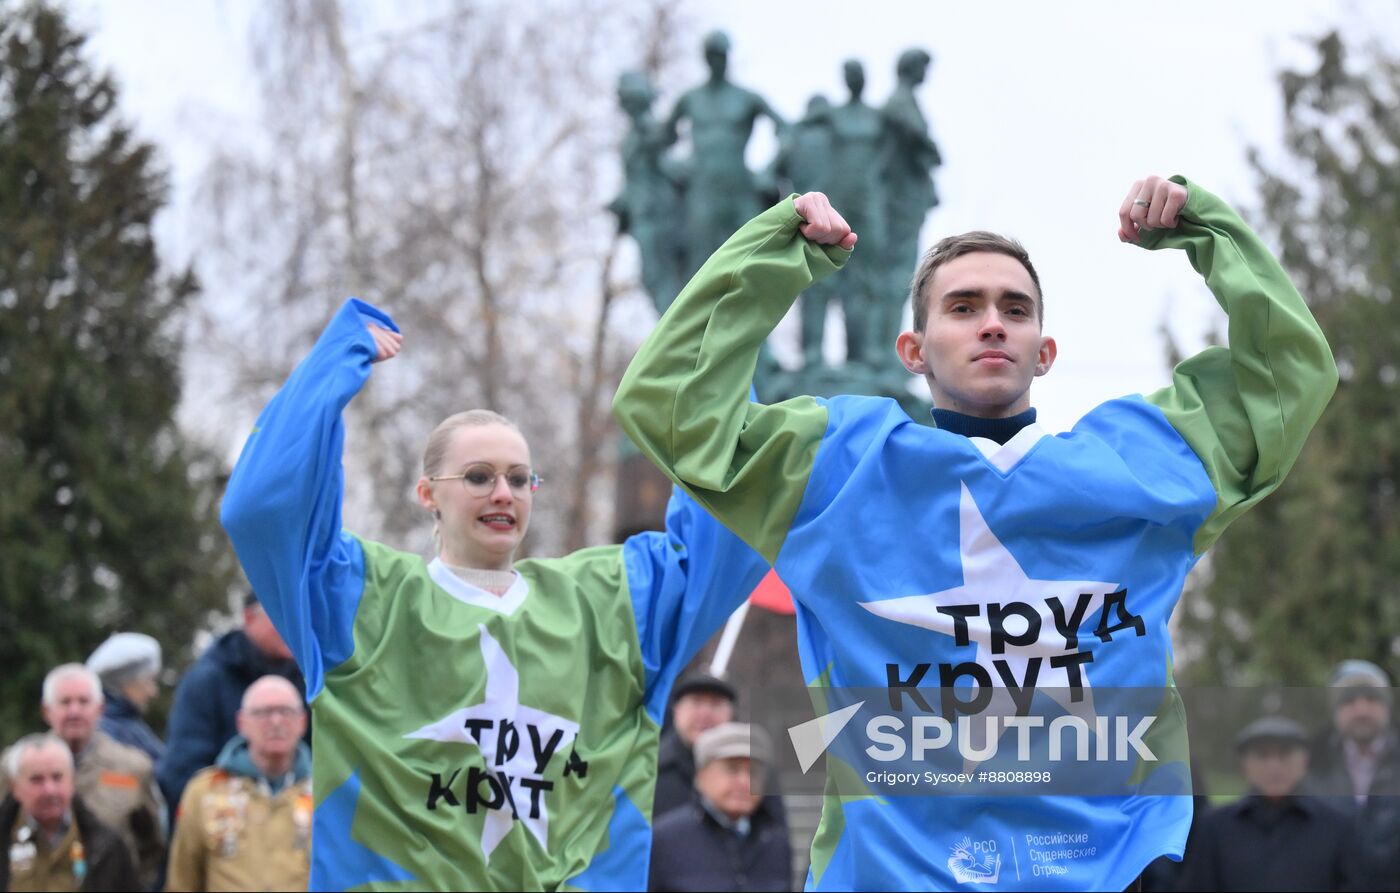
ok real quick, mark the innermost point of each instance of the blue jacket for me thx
(124, 722)
(202, 719)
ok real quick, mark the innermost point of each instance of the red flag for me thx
(772, 595)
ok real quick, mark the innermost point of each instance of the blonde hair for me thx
(435, 452)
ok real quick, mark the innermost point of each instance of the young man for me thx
(984, 554)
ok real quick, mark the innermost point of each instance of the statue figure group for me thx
(874, 163)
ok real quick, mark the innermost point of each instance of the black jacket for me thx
(202, 719)
(108, 862)
(1297, 843)
(1377, 843)
(675, 774)
(1327, 772)
(690, 850)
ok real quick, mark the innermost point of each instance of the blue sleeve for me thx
(684, 583)
(282, 508)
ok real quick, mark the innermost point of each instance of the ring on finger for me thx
(1142, 202)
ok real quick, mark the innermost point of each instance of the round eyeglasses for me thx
(480, 480)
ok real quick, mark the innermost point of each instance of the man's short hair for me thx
(63, 671)
(34, 741)
(956, 246)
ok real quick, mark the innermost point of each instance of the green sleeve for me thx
(1247, 409)
(684, 398)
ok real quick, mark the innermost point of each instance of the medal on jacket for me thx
(225, 816)
(23, 851)
(301, 818)
(78, 858)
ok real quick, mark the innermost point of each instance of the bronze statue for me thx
(803, 164)
(908, 185)
(649, 207)
(861, 147)
(875, 164)
(721, 192)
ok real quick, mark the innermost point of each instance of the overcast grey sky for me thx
(1045, 114)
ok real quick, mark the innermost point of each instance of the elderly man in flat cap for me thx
(728, 839)
(1276, 837)
(128, 664)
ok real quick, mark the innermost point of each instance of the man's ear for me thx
(911, 353)
(1046, 357)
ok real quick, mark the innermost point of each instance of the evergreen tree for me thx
(107, 517)
(1312, 575)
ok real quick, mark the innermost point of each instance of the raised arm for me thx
(684, 584)
(282, 507)
(1247, 409)
(684, 398)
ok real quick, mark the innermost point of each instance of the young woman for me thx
(480, 723)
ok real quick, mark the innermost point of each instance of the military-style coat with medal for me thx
(235, 833)
(89, 857)
(466, 740)
(117, 784)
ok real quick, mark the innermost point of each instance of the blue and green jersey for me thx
(466, 740)
(918, 557)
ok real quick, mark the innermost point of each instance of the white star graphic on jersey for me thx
(502, 703)
(991, 574)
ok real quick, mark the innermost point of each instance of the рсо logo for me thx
(975, 862)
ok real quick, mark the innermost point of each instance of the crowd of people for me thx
(84, 808)
(483, 722)
(100, 801)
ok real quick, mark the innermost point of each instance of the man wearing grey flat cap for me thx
(129, 666)
(729, 838)
(1275, 837)
(1358, 762)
